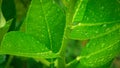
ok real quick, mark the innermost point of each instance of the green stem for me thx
(9, 61)
(69, 16)
(75, 61)
(43, 61)
(61, 58)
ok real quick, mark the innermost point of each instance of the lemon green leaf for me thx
(21, 44)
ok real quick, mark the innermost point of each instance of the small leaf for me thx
(101, 50)
(2, 20)
(21, 44)
(5, 29)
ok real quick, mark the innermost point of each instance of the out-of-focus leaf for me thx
(2, 58)
(2, 20)
(8, 9)
(21, 44)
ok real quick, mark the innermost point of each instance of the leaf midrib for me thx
(93, 24)
(89, 55)
(77, 9)
(48, 28)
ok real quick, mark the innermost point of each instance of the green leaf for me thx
(8, 9)
(90, 31)
(101, 50)
(2, 58)
(5, 29)
(43, 34)
(2, 20)
(46, 21)
(107, 65)
(100, 13)
(89, 22)
(21, 44)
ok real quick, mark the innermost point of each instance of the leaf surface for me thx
(44, 29)
(89, 22)
(45, 21)
(90, 31)
(101, 50)
(21, 44)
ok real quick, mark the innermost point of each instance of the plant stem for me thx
(74, 61)
(43, 61)
(61, 58)
(69, 16)
(9, 61)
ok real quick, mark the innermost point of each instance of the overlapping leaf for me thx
(94, 22)
(99, 22)
(18, 43)
(44, 29)
(101, 50)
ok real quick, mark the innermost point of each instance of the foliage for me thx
(47, 28)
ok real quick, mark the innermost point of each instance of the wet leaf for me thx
(44, 29)
(90, 31)
(93, 20)
(89, 22)
(101, 50)
(21, 44)
(5, 29)
(45, 21)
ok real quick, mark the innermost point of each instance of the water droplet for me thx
(77, 30)
(96, 32)
(107, 29)
(102, 7)
(87, 18)
(104, 25)
(38, 42)
(103, 44)
(53, 2)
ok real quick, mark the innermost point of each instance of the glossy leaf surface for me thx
(44, 29)
(91, 20)
(21, 44)
(45, 21)
(101, 50)
(100, 25)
